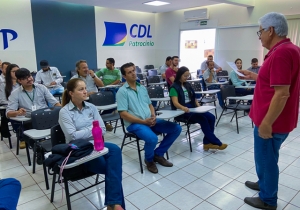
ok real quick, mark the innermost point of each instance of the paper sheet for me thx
(233, 66)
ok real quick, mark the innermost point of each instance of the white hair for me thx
(276, 20)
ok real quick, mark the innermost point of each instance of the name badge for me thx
(33, 108)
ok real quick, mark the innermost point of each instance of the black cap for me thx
(44, 64)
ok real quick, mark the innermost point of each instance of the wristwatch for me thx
(93, 76)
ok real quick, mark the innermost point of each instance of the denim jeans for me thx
(110, 165)
(217, 87)
(266, 154)
(59, 90)
(147, 134)
(10, 189)
(207, 121)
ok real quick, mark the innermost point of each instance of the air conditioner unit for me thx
(199, 14)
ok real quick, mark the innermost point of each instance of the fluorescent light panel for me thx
(156, 3)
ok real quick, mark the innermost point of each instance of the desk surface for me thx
(160, 99)
(194, 80)
(168, 114)
(107, 107)
(217, 83)
(109, 86)
(158, 83)
(246, 87)
(37, 134)
(202, 109)
(20, 118)
(247, 97)
(208, 91)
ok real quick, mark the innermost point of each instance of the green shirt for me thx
(109, 76)
(173, 92)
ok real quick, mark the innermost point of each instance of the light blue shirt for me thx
(163, 69)
(77, 124)
(236, 81)
(3, 99)
(206, 76)
(52, 75)
(134, 102)
(89, 81)
(19, 99)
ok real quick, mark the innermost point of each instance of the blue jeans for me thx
(266, 154)
(207, 121)
(217, 87)
(59, 90)
(110, 165)
(10, 189)
(147, 134)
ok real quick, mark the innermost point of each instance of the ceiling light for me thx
(156, 3)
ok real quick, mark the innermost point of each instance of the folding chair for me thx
(223, 73)
(152, 72)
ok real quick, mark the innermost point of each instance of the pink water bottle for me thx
(97, 135)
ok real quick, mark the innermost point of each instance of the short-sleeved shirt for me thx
(19, 98)
(204, 65)
(255, 70)
(89, 81)
(281, 67)
(109, 76)
(3, 99)
(46, 77)
(173, 92)
(170, 73)
(163, 69)
(77, 124)
(206, 75)
(134, 102)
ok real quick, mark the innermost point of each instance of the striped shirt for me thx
(109, 76)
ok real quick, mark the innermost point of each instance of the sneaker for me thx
(162, 161)
(22, 145)
(252, 185)
(256, 202)
(109, 127)
(206, 147)
(151, 166)
(222, 147)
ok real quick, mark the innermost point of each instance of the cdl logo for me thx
(8, 35)
(116, 33)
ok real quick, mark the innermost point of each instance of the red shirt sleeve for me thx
(281, 68)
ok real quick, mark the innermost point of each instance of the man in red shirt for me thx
(172, 70)
(275, 105)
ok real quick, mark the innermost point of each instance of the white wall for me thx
(139, 55)
(222, 15)
(16, 15)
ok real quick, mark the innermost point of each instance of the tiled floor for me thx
(198, 180)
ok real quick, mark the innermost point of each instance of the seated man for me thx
(88, 76)
(254, 66)
(50, 77)
(164, 67)
(27, 98)
(135, 108)
(110, 76)
(210, 77)
(171, 71)
(204, 64)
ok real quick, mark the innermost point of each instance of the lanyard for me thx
(31, 99)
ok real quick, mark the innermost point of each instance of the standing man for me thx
(275, 105)
(4, 66)
(90, 78)
(172, 70)
(204, 64)
(50, 77)
(135, 108)
(164, 67)
(110, 75)
(254, 66)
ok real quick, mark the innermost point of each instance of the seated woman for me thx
(183, 97)
(236, 81)
(10, 83)
(76, 119)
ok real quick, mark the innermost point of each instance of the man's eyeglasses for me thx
(26, 78)
(260, 32)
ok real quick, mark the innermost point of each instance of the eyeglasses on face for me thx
(260, 32)
(26, 78)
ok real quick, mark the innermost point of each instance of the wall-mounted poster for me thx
(191, 44)
(208, 52)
